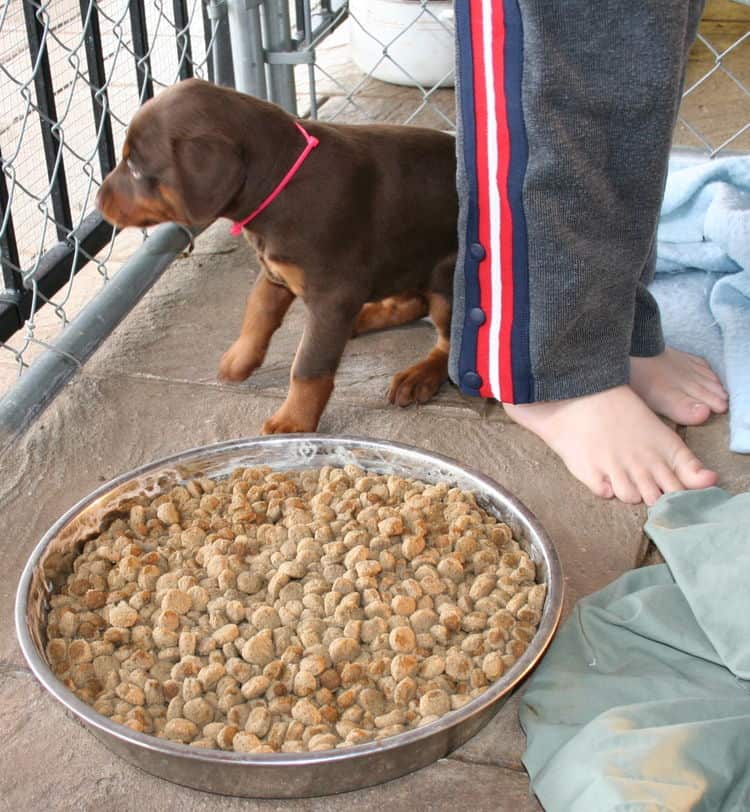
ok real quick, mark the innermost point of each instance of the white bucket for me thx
(424, 51)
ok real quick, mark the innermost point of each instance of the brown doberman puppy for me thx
(365, 232)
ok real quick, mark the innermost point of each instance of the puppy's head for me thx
(182, 160)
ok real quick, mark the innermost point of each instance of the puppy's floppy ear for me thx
(210, 172)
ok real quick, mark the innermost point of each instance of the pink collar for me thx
(310, 143)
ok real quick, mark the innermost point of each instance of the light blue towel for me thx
(705, 227)
(705, 215)
(642, 702)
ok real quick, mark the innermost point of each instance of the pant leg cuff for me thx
(646, 346)
(590, 381)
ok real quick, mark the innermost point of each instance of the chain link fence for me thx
(410, 44)
(73, 72)
(715, 114)
(367, 60)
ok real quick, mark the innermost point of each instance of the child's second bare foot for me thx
(679, 386)
(615, 445)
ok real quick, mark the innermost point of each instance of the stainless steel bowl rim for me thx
(509, 680)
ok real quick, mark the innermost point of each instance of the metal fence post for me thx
(279, 39)
(307, 27)
(140, 50)
(11, 315)
(184, 47)
(222, 70)
(98, 81)
(36, 31)
(247, 47)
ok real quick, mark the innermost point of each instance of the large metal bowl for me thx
(280, 775)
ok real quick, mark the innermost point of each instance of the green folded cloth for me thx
(640, 702)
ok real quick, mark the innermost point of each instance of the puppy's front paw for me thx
(417, 384)
(239, 362)
(284, 423)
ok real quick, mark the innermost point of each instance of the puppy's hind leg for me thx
(265, 310)
(391, 312)
(418, 383)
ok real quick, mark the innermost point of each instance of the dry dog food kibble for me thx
(286, 612)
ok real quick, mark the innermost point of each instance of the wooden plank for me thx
(723, 33)
(726, 10)
(721, 36)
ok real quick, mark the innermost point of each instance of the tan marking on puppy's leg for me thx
(391, 312)
(290, 275)
(302, 408)
(266, 307)
(418, 383)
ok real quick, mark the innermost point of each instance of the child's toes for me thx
(624, 487)
(645, 482)
(690, 470)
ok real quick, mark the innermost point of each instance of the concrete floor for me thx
(150, 391)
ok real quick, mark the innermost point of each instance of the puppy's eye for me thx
(134, 171)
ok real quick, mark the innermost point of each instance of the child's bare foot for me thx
(679, 386)
(615, 445)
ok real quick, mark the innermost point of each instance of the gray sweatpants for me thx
(565, 117)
